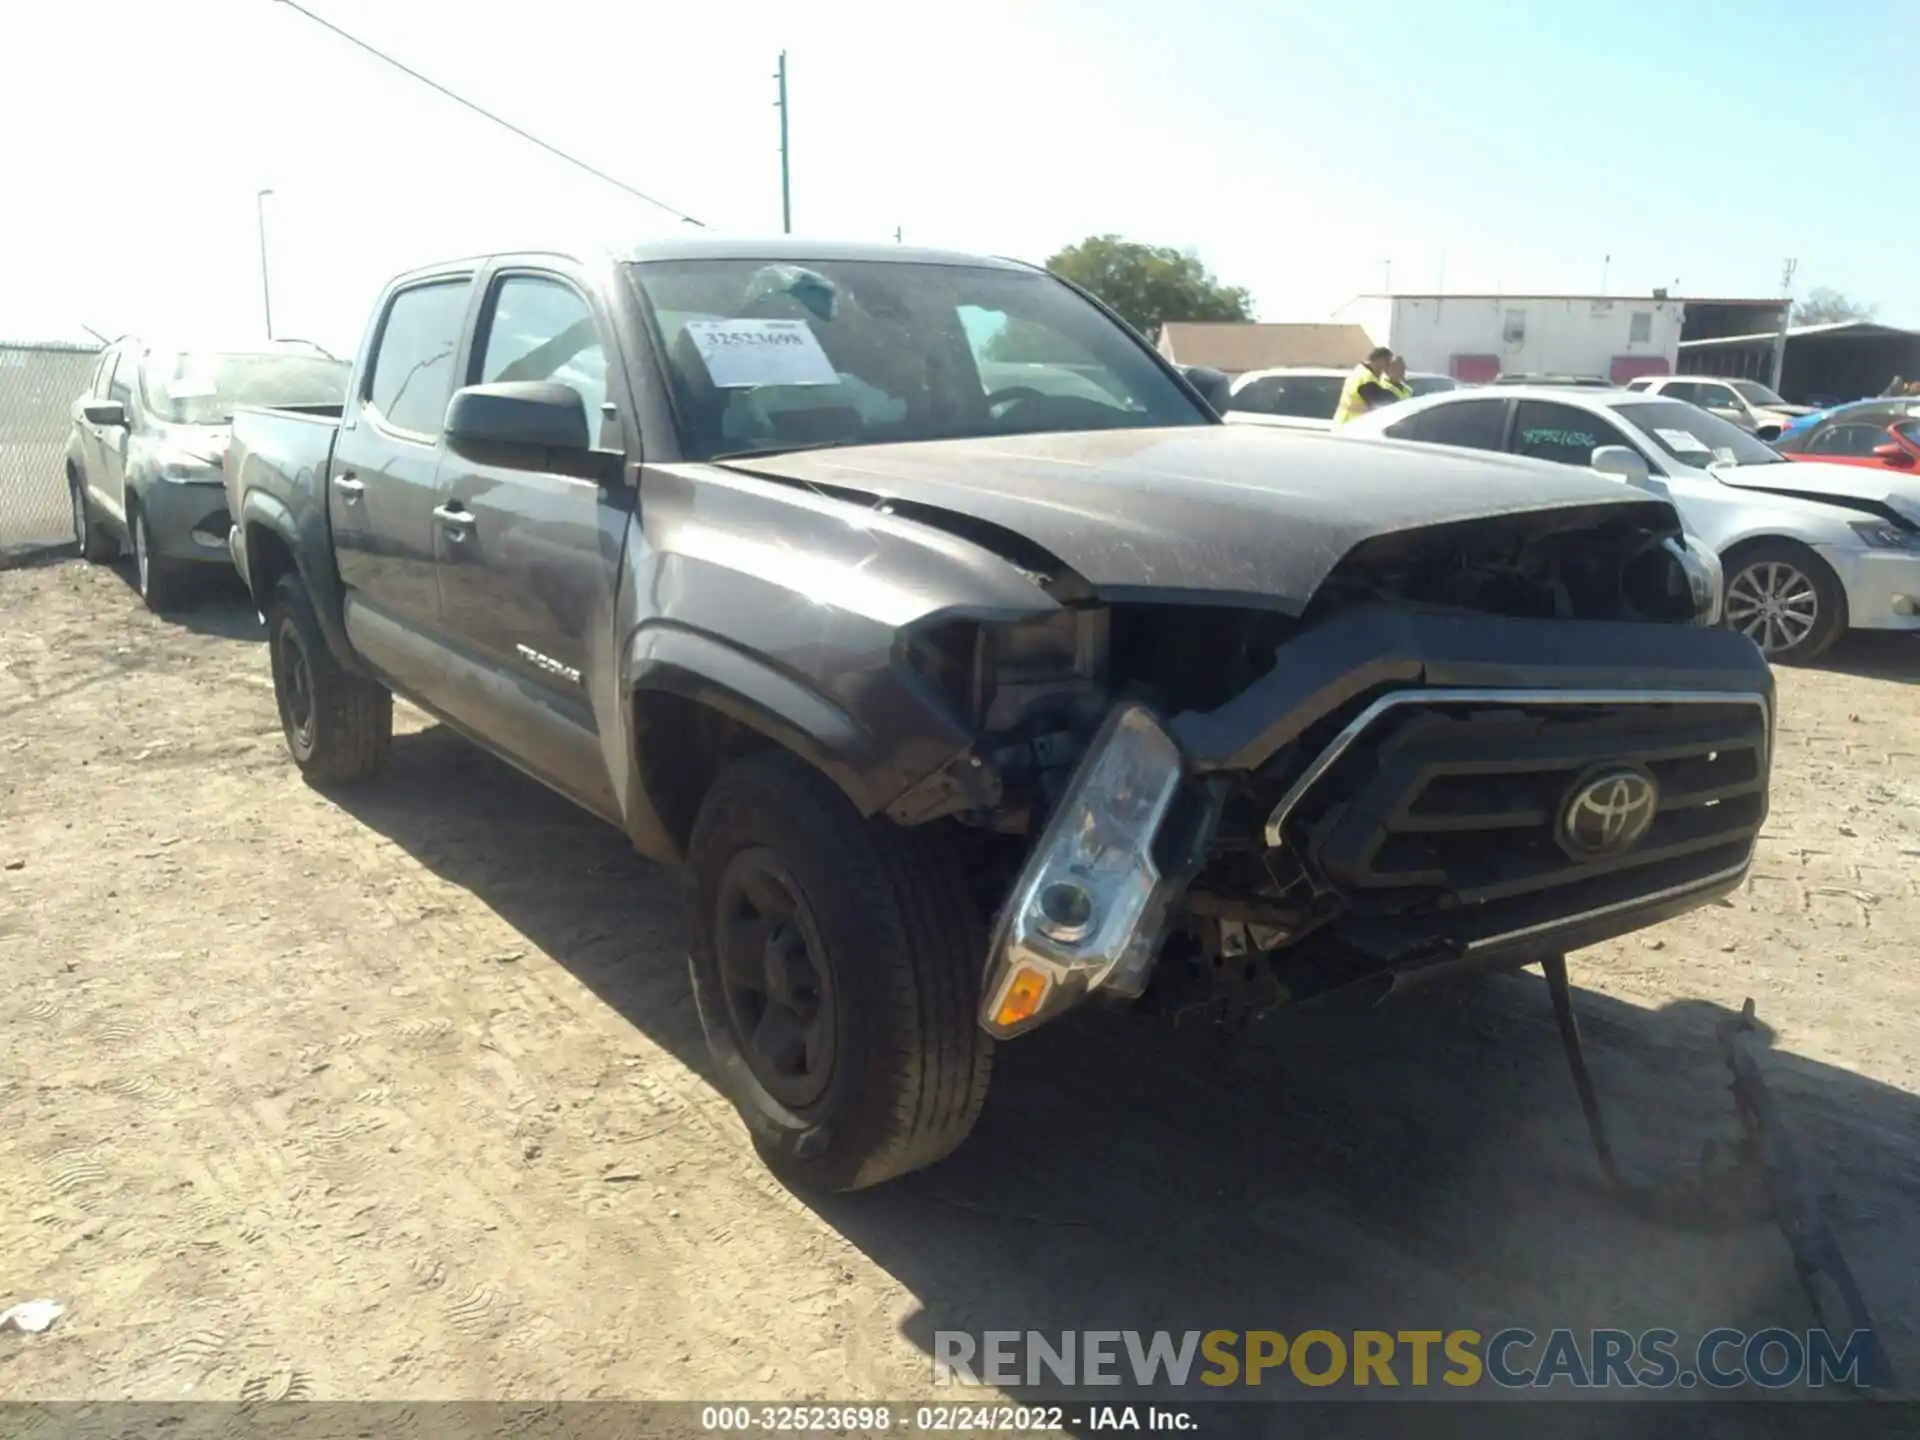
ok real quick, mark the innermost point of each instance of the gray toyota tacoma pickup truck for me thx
(971, 669)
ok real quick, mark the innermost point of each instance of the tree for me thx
(1150, 285)
(1824, 306)
(1024, 342)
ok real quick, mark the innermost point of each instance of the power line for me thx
(488, 114)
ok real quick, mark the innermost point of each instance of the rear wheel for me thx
(96, 542)
(338, 725)
(1786, 599)
(836, 961)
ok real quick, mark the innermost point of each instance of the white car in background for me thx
(1809, 550)
(1299, 397)
(1747, 403)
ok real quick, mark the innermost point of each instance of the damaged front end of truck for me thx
(1290, 715)
(1478, 745)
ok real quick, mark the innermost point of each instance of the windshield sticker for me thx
(740, 354)
(1683, 442)
(1723, 455)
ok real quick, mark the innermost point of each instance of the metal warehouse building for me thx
(1824, 364)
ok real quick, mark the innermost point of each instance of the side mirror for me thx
(1214, 386)
(527, 425)
(1621, 463)
(1895, 454)
(105, 412)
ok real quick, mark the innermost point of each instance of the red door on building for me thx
(1632, 367)
(1474, 369)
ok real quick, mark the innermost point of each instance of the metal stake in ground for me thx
(1790, 1198)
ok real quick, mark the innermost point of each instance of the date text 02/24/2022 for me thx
(940, 1419)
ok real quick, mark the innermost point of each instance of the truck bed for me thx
(277, 465)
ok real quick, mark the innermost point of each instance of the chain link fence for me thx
(38, 385)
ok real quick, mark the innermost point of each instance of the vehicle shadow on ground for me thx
(215, 604)
(1418, 1165)
(1876, 655)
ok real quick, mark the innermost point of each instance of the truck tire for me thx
(97, 543)
(836, 962)
(338, 725)
(1784, 598)
(158, 579)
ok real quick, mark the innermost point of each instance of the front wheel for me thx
(1785, 599)
(836, 962)
(338, 725)
(158, 579)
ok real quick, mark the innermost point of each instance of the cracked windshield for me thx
(767, 357)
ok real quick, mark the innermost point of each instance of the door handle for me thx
(456, 520)
(350, 489)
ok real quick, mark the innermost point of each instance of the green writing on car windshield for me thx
(1556, 437)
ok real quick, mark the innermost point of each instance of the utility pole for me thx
(1786, 319)
(1387, 265)
(266, 291)
(786, 184)
(896, 234)
(1606, 264)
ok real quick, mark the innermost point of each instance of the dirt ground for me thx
(403, 1096)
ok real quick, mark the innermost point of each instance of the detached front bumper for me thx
(1091, 908)
(1883, 586)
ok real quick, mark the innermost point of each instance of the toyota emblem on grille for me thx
(1607, 812)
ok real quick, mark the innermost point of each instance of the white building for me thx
(1478, 337)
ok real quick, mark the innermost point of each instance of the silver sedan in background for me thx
(1809, 550)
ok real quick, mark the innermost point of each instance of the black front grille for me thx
(1435, 807)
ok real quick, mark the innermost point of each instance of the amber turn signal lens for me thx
(1022, 1000)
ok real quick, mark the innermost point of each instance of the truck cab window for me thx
(413, 369)
(542, 330)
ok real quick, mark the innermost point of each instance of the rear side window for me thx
(1564, 434)
(413, 368)
(1469, 424)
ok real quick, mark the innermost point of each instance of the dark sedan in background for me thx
(149, 439)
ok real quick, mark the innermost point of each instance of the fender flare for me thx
(322, 583)
(667, 659)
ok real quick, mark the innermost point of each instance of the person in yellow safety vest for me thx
(1396, 378)
(1367, 373)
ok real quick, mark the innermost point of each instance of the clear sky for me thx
(1298, 147)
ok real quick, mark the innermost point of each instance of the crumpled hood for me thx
(1858, 485)
(1228, 511)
